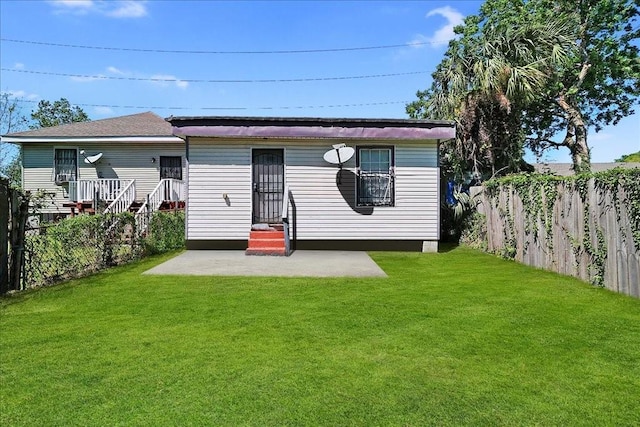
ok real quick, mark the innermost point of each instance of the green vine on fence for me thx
(78, 246)
(623, 182)
(539, 193)
(510, 248)
(612, 181)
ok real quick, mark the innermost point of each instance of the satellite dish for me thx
(91, 159)
(339, 155)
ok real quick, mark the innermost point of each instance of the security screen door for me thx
(268, 185)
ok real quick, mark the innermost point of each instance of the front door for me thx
(268, 185)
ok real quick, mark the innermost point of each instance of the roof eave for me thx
(302, 121)
(303, 127)
(77, 139)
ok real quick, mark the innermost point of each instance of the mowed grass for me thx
(455, 338)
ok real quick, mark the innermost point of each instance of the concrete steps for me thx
(267, 242)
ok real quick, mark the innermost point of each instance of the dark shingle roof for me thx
(142, 124)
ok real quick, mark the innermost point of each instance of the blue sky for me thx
(107, 82)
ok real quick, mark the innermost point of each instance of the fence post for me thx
(4, 236)
(96, 198)
(19, 213)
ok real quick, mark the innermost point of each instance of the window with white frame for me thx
(65, 165)
(375, 184)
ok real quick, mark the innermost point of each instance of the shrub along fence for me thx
(76, 247)
(587, 226)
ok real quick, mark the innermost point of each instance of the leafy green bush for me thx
(75, 247)
(78, 246)
(474, 233)
(166, 232)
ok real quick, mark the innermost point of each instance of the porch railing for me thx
(123, 201)
(289, 221)
(86, 190)
(171, 190)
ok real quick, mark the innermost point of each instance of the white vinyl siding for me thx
(119, 161)
(216, 171)
(323, 213)
(325, 210)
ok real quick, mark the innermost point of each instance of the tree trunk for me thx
(580, 154)
(576, 137)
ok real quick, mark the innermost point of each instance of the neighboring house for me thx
(247, 174)
(116, 162)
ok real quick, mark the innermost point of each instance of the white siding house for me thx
(138, 148)
(385, 197)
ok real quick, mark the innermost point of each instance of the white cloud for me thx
(78, 7)
(166, 79)
(23, 95)
(103, 111)
(114, 70)
(73, 3)
(419, 41)
(18, 66)
(128, 9)
(99, 76)
(113, 9)
(443, 34)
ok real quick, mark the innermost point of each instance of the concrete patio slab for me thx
(299, 264)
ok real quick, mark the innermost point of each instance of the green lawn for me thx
(455, 338)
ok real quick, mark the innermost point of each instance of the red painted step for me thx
(267, 251)
(267, 242)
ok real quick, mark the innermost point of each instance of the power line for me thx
(177, 80)
(290, 107)
(218, 52)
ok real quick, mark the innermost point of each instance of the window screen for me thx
(65, 164)
(375, 176)
(171, 167)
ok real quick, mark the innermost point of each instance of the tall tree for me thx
(556, 67)
(57, 113)
(485, 82)
(600, 84)
(12, 119)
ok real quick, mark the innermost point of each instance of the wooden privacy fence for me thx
(584, 233)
